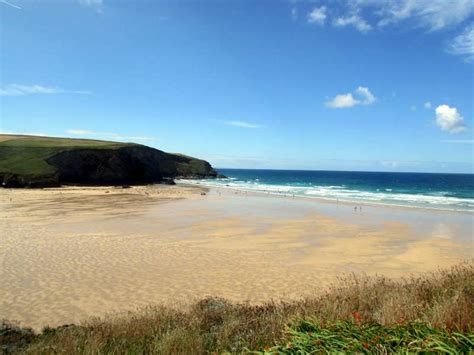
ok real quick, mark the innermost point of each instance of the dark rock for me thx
(168, 181)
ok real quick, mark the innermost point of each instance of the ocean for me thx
(422, 190)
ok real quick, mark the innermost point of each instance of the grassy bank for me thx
(358, 314)
(28, 154)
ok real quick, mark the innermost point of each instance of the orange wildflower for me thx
(357, 316)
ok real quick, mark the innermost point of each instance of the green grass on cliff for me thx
(53, 142)
(191, 166)
(27, 155)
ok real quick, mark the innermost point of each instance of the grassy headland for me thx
(46, 161)
(361, 314)
(29, 154)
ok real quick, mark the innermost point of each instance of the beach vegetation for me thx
(431, 312)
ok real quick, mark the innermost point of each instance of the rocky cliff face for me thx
(126, 165)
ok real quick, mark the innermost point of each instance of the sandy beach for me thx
(71, 253)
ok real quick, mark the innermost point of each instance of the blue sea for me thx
(422, 190)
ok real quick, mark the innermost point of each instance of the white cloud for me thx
(342, 100)
(463, 44)
(365, 97)
(18, 90)
(10, 4)
(317, 15)
(242, 124)
(449, 119)
(354, 20)
(107, 135)
(97, 5)
(427, 105)
(368, 97)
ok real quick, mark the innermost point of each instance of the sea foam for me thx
(433, 200)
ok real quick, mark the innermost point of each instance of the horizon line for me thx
(348, 171)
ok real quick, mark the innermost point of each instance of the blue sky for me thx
(339, 85)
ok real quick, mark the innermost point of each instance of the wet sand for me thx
(68, 254)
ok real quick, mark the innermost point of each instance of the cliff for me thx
(28, 161)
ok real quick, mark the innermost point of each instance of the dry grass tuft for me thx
(440, 301)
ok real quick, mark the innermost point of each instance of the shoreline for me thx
(326, 200)
(203, 186)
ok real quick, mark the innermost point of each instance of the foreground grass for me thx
(360, 314)
(370, 338)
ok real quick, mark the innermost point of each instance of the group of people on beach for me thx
(356, 208)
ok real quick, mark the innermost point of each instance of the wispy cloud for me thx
(10, 4)
(427, 105)
(432, 15)
(459, 141)
(353, 20)
(242, 124)
(363, 97)
(107, 135)
(80, 132)
(294, 13)
(463, 44)
(427, 15)
(449, 119)
(18, 90)
(24, 133)
(97, 5)
(393, 164)
(85, 132)
(317, 15)
(234, 160)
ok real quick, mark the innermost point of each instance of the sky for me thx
(371, 85)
